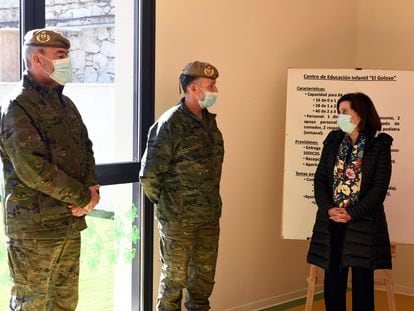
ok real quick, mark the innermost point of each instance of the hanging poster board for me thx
(310, 115)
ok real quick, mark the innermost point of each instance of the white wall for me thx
(252, 43)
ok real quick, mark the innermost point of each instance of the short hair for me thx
(186, 80)
(370, 121)
(28, 51)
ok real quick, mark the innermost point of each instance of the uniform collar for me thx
(206, 114)
(30, 83)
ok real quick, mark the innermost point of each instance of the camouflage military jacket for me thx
(181, 167)
(48, 162)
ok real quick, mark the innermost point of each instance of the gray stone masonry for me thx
(90, 26)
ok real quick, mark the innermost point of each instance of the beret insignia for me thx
(43, 37)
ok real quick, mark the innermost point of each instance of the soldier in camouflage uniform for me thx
(180, 172)
(49, 179)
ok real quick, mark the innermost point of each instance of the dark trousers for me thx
(188, 256)
(336, 278)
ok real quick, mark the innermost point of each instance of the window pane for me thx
(108, 247)
(5, 283)
(106, 108)
(110, 242)
(90, 26)
(9, 42)
(9, 74)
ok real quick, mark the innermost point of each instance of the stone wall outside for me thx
(9, 60)
(90, 26)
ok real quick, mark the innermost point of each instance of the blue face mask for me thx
(62, 70)
(345, 124)
(209, 99)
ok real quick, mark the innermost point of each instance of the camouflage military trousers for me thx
(188, 256)
(45, 273)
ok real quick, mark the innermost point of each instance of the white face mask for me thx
(209, 99)
(62, 70)
(345, 124)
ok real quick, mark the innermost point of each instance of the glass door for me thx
(102, 89)
(9, 75)
(109, 89)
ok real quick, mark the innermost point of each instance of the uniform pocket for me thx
(171, 198)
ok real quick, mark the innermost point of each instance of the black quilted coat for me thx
(367, 243)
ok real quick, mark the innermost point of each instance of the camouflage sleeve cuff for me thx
(85, 198)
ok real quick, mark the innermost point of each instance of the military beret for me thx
(201, 70)
(46, 38)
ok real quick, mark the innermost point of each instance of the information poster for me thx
(311, 114)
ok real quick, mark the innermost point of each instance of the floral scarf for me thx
(348, 172)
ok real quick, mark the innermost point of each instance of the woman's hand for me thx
(338, 214)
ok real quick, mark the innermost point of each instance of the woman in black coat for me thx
(351, 183)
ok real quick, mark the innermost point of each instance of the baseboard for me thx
(398, 289)
(404, 290)
(276, 300)
(290, 297)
